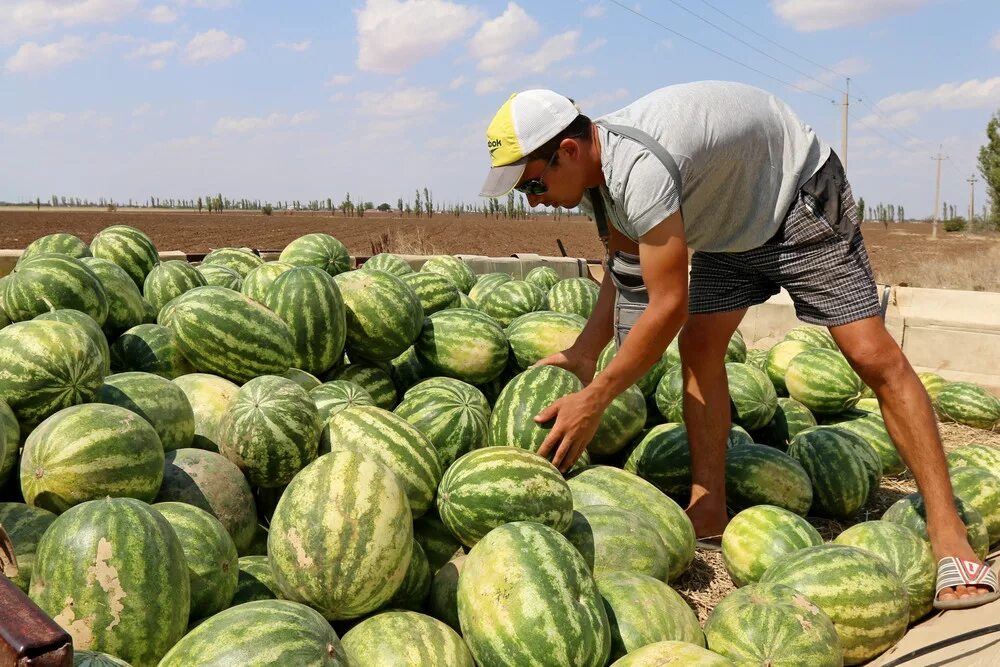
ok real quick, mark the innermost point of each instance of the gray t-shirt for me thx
(742, 154)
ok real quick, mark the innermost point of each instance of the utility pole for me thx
(972, 199)
(843, 124)
(937, 189)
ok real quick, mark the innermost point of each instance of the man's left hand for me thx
(577, 417)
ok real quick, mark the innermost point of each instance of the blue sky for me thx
(303, 100)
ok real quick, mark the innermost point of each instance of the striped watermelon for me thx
(621, 422)
(11, 440)
(812, 336)
(416, 586)
(933, 383)
(309, 302)
(213, 483)
(614, 538)
(463, 344)
(407, 370)
(525, 593)
(373, 379)
(452, 414)
(512, 422)
(604, 485)
(390, 263)
(240, 260)
(45, 367)
(669, 652)
(225, 333)
(210, 397)
(169, 280)
(752, 395)
(840, 475)
(909, 511)
(453, 268)
(307, 381)
(126, 307)
(831, 576)
(86, 324)
(489, 487)
(435, 291)
(210, 556)
(736, 351)
(790, 419)
(341, 536)
(762, 475)
(25, 526)
(96, 659)
(439, 545)
(968, 404)
(258, 634)
(61, 244)
(255, 581)
(542, 277)
(129, 248)
(384, 315)
(270, 430)
(669, 395)
(443, 601)
(318, 250)
(758, 359)
(486, 283)
(572, 295)
(91, 451)
(405, 638)
(871, 427)
(648, 382)
(259, 280)
(910, 557)
(465, 301)
(663, 458)
(758, 537)
(772, 624)
(157, 400)
(778, 358)
(980, 490)
(738, 436)
(509, 300)
(979, 456)
(823, 381)
(111, 572)
(394, 443)
(49, 282)
(537, 335)
(333, 396)
(217, 275)
(643, 610)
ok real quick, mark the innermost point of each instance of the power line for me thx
(716, 52)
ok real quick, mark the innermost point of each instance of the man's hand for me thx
(577, 417)
(579, 364)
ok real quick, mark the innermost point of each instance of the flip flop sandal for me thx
(953, 572)
(710, 543)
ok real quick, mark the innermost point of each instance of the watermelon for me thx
(537, 335)
(149, 348)
(240, 260)
(979, 456)
(169, 280)
(210, 397)
(464, 301)
(318, 250)
(910, 557)
(758, 359)
(439, 545)
(60, 244)
(435, 291)
(933, 383)
(489, 487)
(872, 428)
(258, 281)
(87, 452)
(980, 489)
(736, 351)
(778, 358)
(614, 538)
(759, 536)
(621, 422)
(669, 395)
(217, 275)
(96, 659)
(129, 248)
(384, 315)
(525, 592)
(307, 381)
(416, 584)
(762, 475)
(573, 295)
(393, 442)
(88, 325)
(668, 652)
(647, 383)
(663, 458)
(443, 601)
(49, 282)
(464, 344)
(225, 333)
(388, 262)
(11, 440)
(542, 277)
(405, 638)
(210, 556)
(213, 483)
(126, 307)
(753, 398)
(772, 624)
(486, 283)
(341, 536)
(823, 381)
(790, 418)
(813, 336)
(333, 396)
(255, 581)
(869, 405)
(270, 430)
(509, 300)
(909, 511)
(643, 610)
(260, 634)
(309, 302)
(512, 422)
(373, 379)
(738, 436)
(111, 572)
(25, 526)
(604, 485)
(452, 414)
(832, 576)
(157, 400)
(840, 478)
(407, 370)
(453, 268)
(968, 404)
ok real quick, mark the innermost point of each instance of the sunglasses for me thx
(535, 186)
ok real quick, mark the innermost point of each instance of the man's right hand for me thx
(578, 363)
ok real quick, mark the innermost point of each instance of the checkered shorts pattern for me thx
(822, 264)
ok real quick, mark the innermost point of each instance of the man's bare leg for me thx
(703, 343)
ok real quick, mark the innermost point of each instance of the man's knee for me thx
(877, 361)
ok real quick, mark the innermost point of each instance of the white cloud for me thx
(31, 17)
(39, 122)
(153, 49)
(595, 44)
(594, 11)
(295, 46)
(162, 14)
(339, 80)
(580, 73)
(208, 4)
(33, 57)
(213, 45)
(458, 82)
(601, 99)
(257, 123)
(972, 94)
(157, 64)
(407, 102)
(338, 97)
(142, 109)
(504, 34)
(899, 119)
(505, 68)
(393, 35)
(822, 80)
(813, 15)
(995, 42)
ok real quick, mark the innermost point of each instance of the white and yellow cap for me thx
(525, 121)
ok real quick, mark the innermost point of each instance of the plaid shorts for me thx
(817, 255)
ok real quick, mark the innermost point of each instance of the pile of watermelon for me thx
(297, 462)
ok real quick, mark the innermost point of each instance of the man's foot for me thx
(962, 584)
(954, 544)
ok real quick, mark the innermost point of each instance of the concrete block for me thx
(167, 255)
(8, 258)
